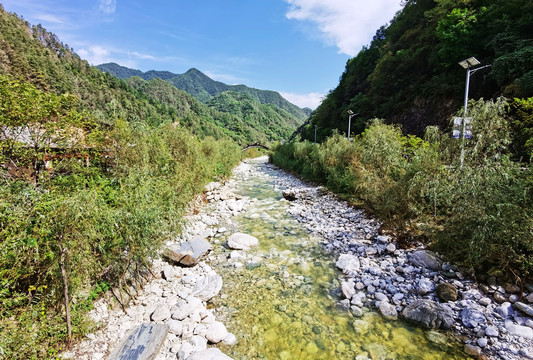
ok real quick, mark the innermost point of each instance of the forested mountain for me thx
(243, 119)
(253, 113)
(204, 88)
(39, 57)
(409, 74)
(307, 111)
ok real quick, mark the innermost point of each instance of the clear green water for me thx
(285, 308)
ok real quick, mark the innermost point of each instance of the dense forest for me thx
(204, 88)
(246, 121)
(409, 74)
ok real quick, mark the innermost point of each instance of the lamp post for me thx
(350, 115)
(466, 64)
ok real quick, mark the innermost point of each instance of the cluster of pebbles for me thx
(179, 299)
(494, 319)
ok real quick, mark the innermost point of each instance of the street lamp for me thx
(467, 64)
(350, 115)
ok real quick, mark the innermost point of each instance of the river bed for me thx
(287, 299)
(281, 299)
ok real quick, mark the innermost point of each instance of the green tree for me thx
(33, 122)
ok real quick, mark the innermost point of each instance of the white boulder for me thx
(240, 241)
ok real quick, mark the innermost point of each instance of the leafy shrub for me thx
(489, 222)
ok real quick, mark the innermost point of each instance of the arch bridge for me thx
(255, 145)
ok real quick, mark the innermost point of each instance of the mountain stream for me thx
(281, 298)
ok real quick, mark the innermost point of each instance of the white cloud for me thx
(225, 78)
(139, 55)
(95, 55)
(108, 7)
(49, 18)
(310, 100)
(348, 24)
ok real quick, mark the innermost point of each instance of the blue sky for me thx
(296, 47)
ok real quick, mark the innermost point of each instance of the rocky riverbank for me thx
(495, 319)
(376, 276)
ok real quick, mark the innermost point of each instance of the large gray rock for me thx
(193, 345)
(425, 286)
(145, 341)
(168, 272)
(518, 330)
(207, 287)
(209, 354)
(348, 263)
(161, 313)
(428, 314)
(240, 241)
(189, 253)
(505, 310)
(471, 318)
(526, 309)
(492, 331)
(426, 259)
(388, 310)
(348, 289)
(175, 327)
(185, 308)
(230, 340)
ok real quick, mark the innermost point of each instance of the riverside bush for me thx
(489, 223)
(98, 221)
(478, 214)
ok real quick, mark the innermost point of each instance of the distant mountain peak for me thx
(193, 71)
(204, 88)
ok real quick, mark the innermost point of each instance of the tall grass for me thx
(479, 215)
(98, 223)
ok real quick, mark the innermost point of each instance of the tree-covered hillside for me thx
(251, 122)
(39, 57)
(204, 88)
(409, 74)
(274, 122)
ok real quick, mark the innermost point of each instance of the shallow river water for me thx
(282, 304)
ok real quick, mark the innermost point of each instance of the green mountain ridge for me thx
(246, 107)
(204, 88)
(248, 121)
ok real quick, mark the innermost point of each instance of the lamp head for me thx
(471, 61)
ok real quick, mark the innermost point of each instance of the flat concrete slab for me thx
(141, 343)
